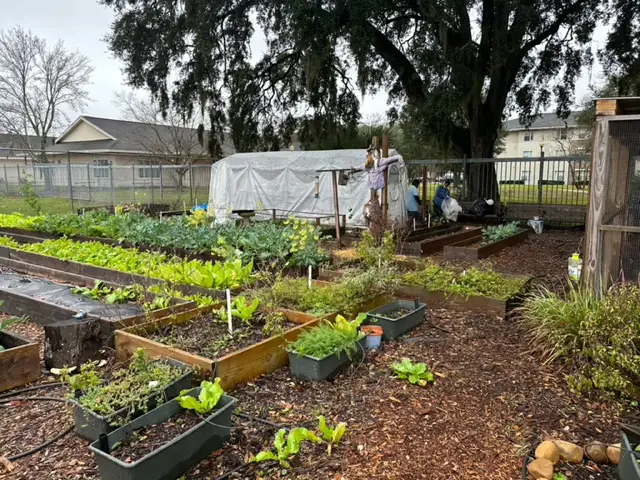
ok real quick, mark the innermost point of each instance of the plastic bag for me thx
(451, 208)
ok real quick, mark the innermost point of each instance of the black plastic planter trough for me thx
(629, 468)
(89, 425)
(395, 327)
(315, 369)
(175, 457)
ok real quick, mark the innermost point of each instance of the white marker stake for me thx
(429, 224)
(309, 277)
(414, 223)
(229, 311)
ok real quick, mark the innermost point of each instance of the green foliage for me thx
(469, 283)
(414, 373)
(331, 435)
(287, 446)
(274, 324)
(559, 476)
(29, 192)
(100, 291)
(128, 386)
(209, 396)
(598, 337)
(159, 302)
(304, 238)
(240, 309)
(373, 255)
(328, 338)
(499, 232)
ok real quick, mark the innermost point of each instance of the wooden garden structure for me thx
(612, 243)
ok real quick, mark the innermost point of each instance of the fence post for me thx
(133, 182)
(464, 177)
(113, 200)
(191, 183)
(153, 200)
(540, 175)
(161, 185)
(89, 180)
(6, 179)
(19, 177)
(33, 174)
(73, 210)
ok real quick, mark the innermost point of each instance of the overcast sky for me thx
(82, 24)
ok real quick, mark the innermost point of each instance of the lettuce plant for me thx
(287, 447)
(210, 395)
(414, 373)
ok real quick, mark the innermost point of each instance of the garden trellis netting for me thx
(286, 181)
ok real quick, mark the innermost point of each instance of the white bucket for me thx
(536, 224)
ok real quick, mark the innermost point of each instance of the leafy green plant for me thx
(414, 373)
(287, 447)
(240, 309)
(29, 192)
(372, 254)
(499, 232)
(597, 336)
(327, 339)
(331, 435)
(304, 238)
(209, 396)
(86, 379)
(559, 476)
(119, 295)
(159, 302)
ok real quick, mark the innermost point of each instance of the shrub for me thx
(598, 337)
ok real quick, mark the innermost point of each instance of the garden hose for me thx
(44, 445)
(30, 389)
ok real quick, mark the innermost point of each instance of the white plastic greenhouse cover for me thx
(286, 181)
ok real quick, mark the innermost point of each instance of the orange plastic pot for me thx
(374, 336)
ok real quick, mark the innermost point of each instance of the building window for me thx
(528, 136)
(527, 154)
(524, 175)
(563, 134)
(149, 170)
(559, 174)
(101, 169)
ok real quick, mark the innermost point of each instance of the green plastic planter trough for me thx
(629, 468)
(395, 327)
(175, 457)
(89, 425)
(315, 369)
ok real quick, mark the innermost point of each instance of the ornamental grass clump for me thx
(329, 339)
(597, 336)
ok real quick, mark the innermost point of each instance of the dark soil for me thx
(210, 338)
(151, 438)
(401, 312)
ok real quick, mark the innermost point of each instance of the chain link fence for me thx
(62, 182)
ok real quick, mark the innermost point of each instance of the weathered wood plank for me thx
(434, 246)
(459, 252)
(19, 363)
(607, 106)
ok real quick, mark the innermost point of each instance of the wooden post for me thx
(336, 206)
(385, 190)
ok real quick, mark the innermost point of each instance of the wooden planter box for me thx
(234, 368)
(19, 362)
(459, 251)
(459, 303)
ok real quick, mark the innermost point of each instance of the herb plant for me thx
(287, 446)
(327, 339)
(373, 255)
(499, 232)
(209, 396)
(414, 373)
(331, 435)
(240, 309)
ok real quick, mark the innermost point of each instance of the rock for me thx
(613, 453)
(541, 468)
(569, 452)
(548, 450)
(597, 451)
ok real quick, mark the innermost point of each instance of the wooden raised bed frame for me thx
(421, 245)
(234, 368)
(19, 363)
(460, 252)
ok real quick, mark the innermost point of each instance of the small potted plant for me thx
(100, 407)
(397, 318)
(165, 442)
(323, 351)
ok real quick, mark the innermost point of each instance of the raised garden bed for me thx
(397, 318)
(467, 252)
(438, 240)
(176, 450)
(233, 367)
(19, 361)
(629, 466)
(314, 369)
(89, 425)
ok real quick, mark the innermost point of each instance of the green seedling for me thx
(414, 373)
(331, 435)
(210, 395)
(286, 448)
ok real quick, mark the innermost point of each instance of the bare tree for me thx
(175, 137)
(574, 140)
(39, 87)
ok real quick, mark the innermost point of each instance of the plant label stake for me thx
(309, 277)
(229, 311)
(429, 224)
(414, 223)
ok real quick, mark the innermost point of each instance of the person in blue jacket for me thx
(442, 193)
